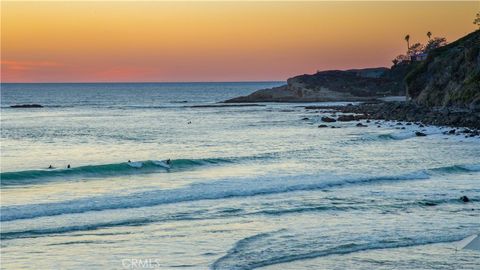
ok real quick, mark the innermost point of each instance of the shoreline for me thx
(408, 112)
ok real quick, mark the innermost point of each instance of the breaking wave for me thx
(105, 170)
(207, 191)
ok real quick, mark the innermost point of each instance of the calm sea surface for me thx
(250, 187)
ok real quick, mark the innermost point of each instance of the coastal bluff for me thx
(334, 85)
(449, 77)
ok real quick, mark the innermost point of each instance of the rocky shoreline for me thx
(443, 89)
(406, 112)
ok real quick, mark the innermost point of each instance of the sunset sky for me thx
(212, 41)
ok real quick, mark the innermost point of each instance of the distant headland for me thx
(437, 77)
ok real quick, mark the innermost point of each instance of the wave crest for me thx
(104, 170)
(204, 191)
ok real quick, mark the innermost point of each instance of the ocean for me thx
(249, 187)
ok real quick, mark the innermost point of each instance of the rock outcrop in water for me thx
(334, 85)
(449, 77)
(27, 106)
(406, 111)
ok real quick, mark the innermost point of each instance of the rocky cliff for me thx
(335, 85)
(449, 77)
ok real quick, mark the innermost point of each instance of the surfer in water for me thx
(129, 161)
(50, 167)
(68, 166)
(169, 162)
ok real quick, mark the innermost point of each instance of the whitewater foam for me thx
(198, 191)
(244, 256)
(44, 226)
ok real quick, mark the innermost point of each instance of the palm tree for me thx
(429, 35)
(407, 38)
(477, 20)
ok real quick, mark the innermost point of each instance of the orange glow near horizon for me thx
(212, 41)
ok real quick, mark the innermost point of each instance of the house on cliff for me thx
(418, 57)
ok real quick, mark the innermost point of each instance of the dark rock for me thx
(420, 134)
(346, 117)
(452, 131)
(454, 119)
(475, 105)
(361, 125)
(430, 203)
(305, 118)
(229, 105)
(409, 112)
(328, 119)
(322, 126)
(27, 106)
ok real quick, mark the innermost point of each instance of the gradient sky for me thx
(212, 41)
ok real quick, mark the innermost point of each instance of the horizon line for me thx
(118, 82)
(247, 1)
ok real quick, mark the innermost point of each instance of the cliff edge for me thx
(335, 85)
(449, 77)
